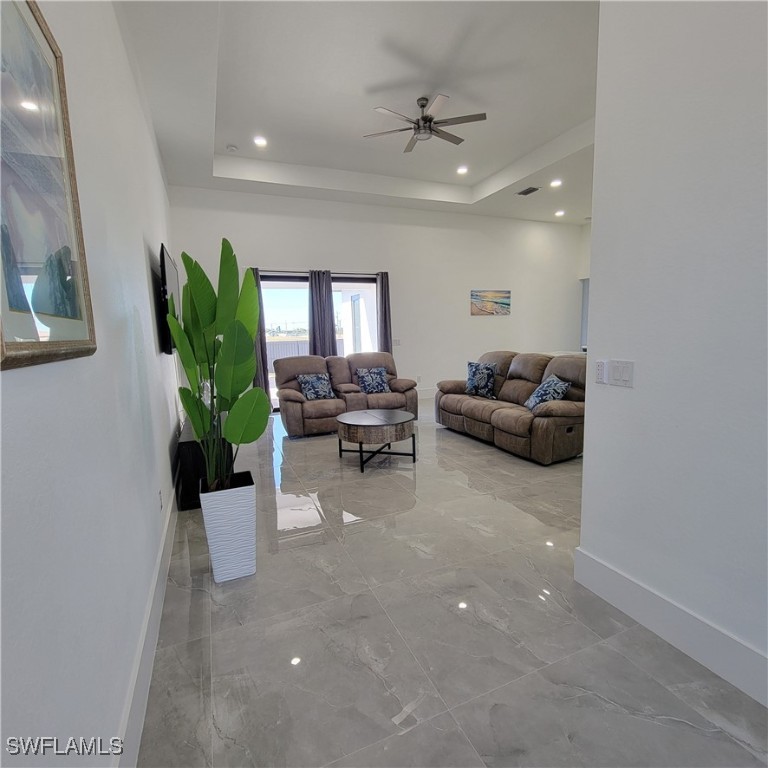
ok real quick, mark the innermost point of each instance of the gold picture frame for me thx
(46, 312)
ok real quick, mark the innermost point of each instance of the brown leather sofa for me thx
(551, 432)
(303, 417)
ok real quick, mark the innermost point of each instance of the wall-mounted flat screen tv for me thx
(169, 299)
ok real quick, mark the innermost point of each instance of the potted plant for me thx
(215, 342)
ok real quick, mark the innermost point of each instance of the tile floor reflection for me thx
(420, 615)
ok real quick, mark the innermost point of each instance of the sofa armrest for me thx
(346, 389)
(401, 385)
(452, 387)
(559, 408)
(291, 396)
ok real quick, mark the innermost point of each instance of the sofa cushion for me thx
(480, 408)
(453, 403)
(287, 368)
(551, 388)
(514, 419)
(480, 379)
(338, 368)
(323, 409)
(371, 360)
(315, 386)
(386, 400)
(501, 358)
(572, 368)
(372, 380)
(524, 375)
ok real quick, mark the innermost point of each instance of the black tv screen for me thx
(170, 297)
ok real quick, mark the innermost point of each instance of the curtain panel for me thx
(385, 317)
(262, 374)
(322, 325)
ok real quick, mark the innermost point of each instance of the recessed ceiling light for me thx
(260, 141)
(295, 660)
(559, 213)
(462, 605)
(30, 105)
(462, 169)
(549, 543)
(555, 183)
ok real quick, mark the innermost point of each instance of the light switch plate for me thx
(621, 373)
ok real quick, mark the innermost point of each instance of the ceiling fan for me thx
(425, 127)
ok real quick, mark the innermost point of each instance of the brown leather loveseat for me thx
(551, 432)
(303, 417)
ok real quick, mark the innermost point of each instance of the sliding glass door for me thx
(286, 317)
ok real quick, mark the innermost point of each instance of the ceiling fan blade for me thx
(460, 120)
(411, 144)
(437, 104)
(385, 111)
(384, 133)
(445, 135)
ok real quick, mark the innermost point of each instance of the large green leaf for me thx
(226, 303)
(248, 304)
(248, 418)
(197, 411)
(201, 291)
(237, 361)
(186, 355)
(191, 324)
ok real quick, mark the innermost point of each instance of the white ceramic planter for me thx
(230, 527)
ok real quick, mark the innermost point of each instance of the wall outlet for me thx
(601, 371)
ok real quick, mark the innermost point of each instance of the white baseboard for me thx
(136, 700)
(734, 660)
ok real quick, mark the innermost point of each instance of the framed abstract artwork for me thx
(46, 304)
(490, 302)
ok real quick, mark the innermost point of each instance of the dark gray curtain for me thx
(262, 374)
(322, 326)
(382, 307)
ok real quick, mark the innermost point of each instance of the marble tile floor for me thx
(420, 615)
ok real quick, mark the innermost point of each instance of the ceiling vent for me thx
(529, 191)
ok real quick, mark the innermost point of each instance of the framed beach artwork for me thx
(490, 302)
(46, 305)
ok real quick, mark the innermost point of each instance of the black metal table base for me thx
(378, 452)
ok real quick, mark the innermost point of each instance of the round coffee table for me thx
(376, 427)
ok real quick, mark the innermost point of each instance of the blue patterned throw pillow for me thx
(315, 386)
(373, 381)
(551, 388)
(480, 379)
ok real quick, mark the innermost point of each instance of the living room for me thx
(673, 527)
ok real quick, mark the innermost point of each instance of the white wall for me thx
(85, 443)
(674, 499)
(434, 260)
